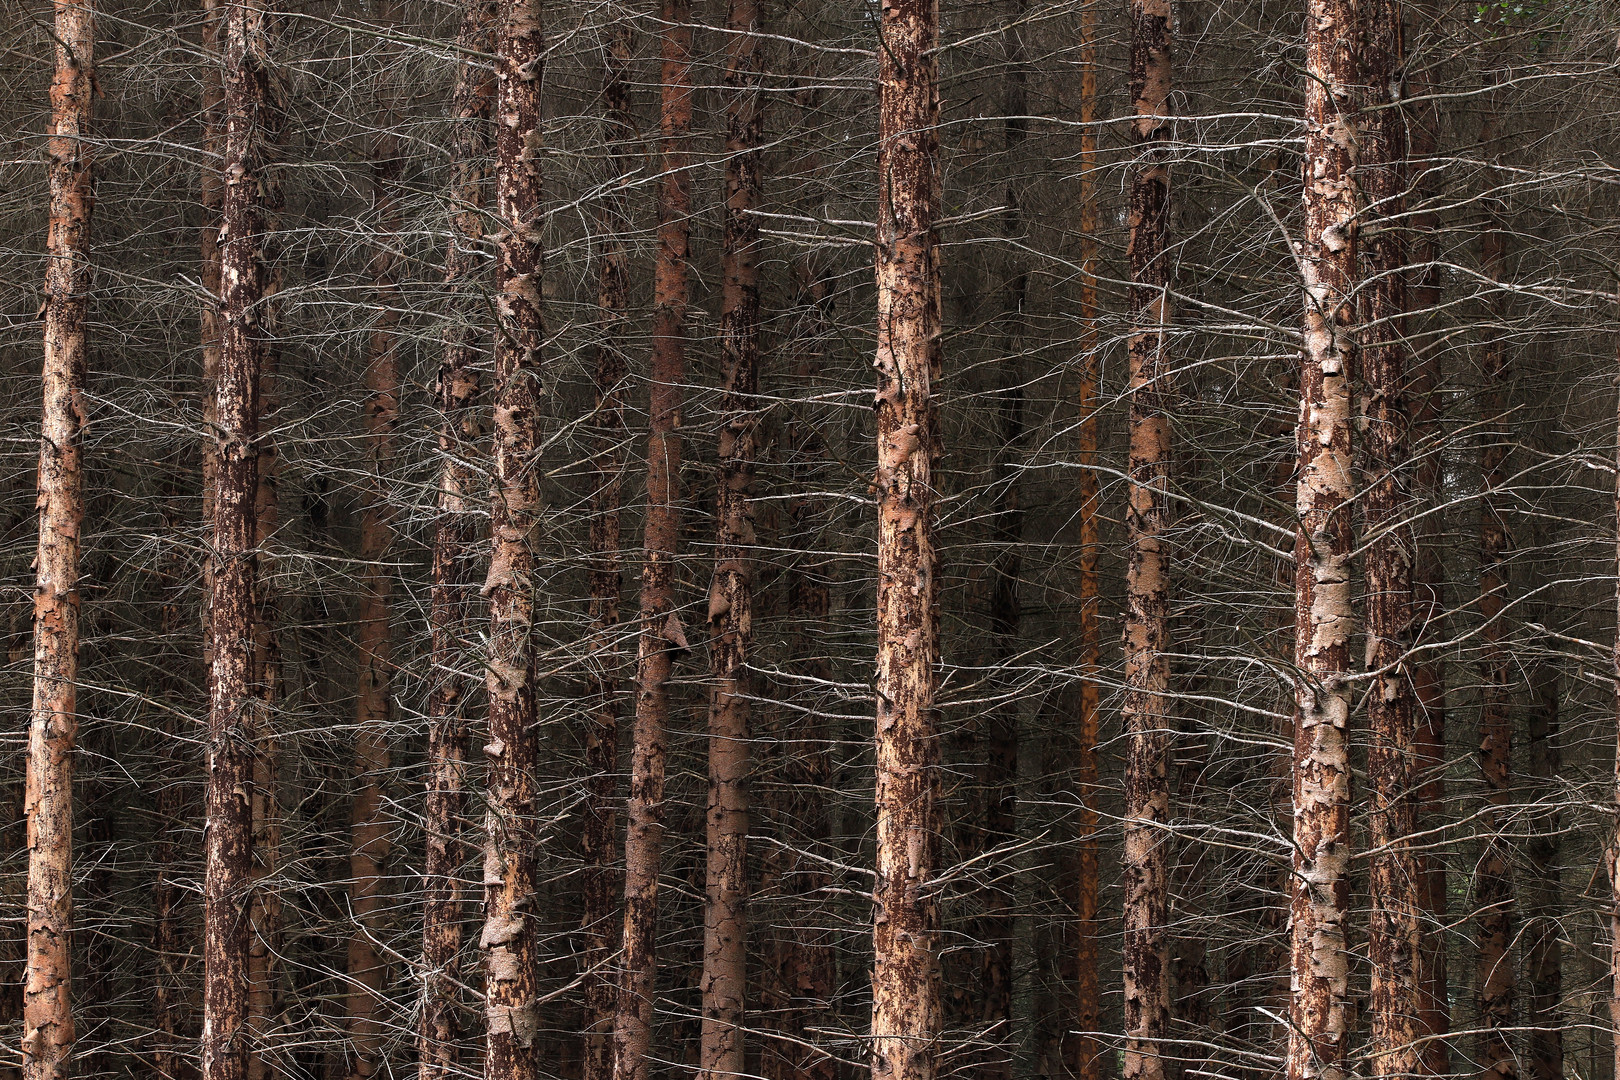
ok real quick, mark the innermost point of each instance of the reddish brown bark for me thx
(602, 887)
(1145, 871)
(369, 825)
(731, 598)
(47, 1043)
(1319, 885)
(439, 1019)
(237, 706)
(1395, 945)
(661, 631)
(511, 902)
(906, 1011)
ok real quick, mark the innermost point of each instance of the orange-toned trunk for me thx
(47, 1044)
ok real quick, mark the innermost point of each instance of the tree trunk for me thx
(906, 1008)
(661, 631)
(369, 825)
(1493, 884)
(602, 886)
(439, 1019)
(1084, 1055)
(236, 707)
(1543, 951)
(1145, 872)
(731, 600)
(1320, 885)
(1395, 945)
(511, 902)
(47, 1044)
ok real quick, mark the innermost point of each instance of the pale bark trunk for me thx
(661, 632)
(439, 1019)
(1145, 872)
(1395, 941)
(602, 886)
(47, 1043)
(1323, 623)
(511, 901)
(731, 599)
(237, 706)
(369, 826)
(906, 1008)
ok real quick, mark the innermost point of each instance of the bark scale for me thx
(48, 1034)
(511, 902)
(906, 1005)
(1323, 623)
(662, 635)
(456, 390)
(731, 599)
(1145, 873)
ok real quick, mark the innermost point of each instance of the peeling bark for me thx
(48, 1033)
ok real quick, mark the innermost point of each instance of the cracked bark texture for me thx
(661, 635)
(48, 1031)
(1145, 872)
(1397, 952)
(731, 599)
(1323, 622)
(450, 605)
(237, 705)
(906, 999)
(511, 902)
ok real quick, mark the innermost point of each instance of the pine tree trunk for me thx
(731, 600)
(602, 886)
(661, 632)
(1319, 1018)
(1084, 1051)
(1145, 872)
(236, 714)
(1543, 950)
(511, 900)
(906, 1006)
(1396, 949)
(1493, 884)
(456, 389)
(369, 825)
(48, 1033)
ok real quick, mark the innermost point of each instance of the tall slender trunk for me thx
(456, 390)
(511, 902)
(1396, 949)
(1319, 1022)
(731, 599)
(1493, 884)
(1084, 1055)
(602, 886)
(1543, 951)
(661, 631)
(906, 1007)
(236, 712)
(47, 1043)
(369, 826)
(1145, 873)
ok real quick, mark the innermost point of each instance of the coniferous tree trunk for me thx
(661, 632)
(731, 600)
(48, 1031)
(511, 899)
(369, 826)
(906, 1000)
(1146, 871)
(1319, 1022)
(1396, 948)
(454, 532)
(602, 886)
(236, 707)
